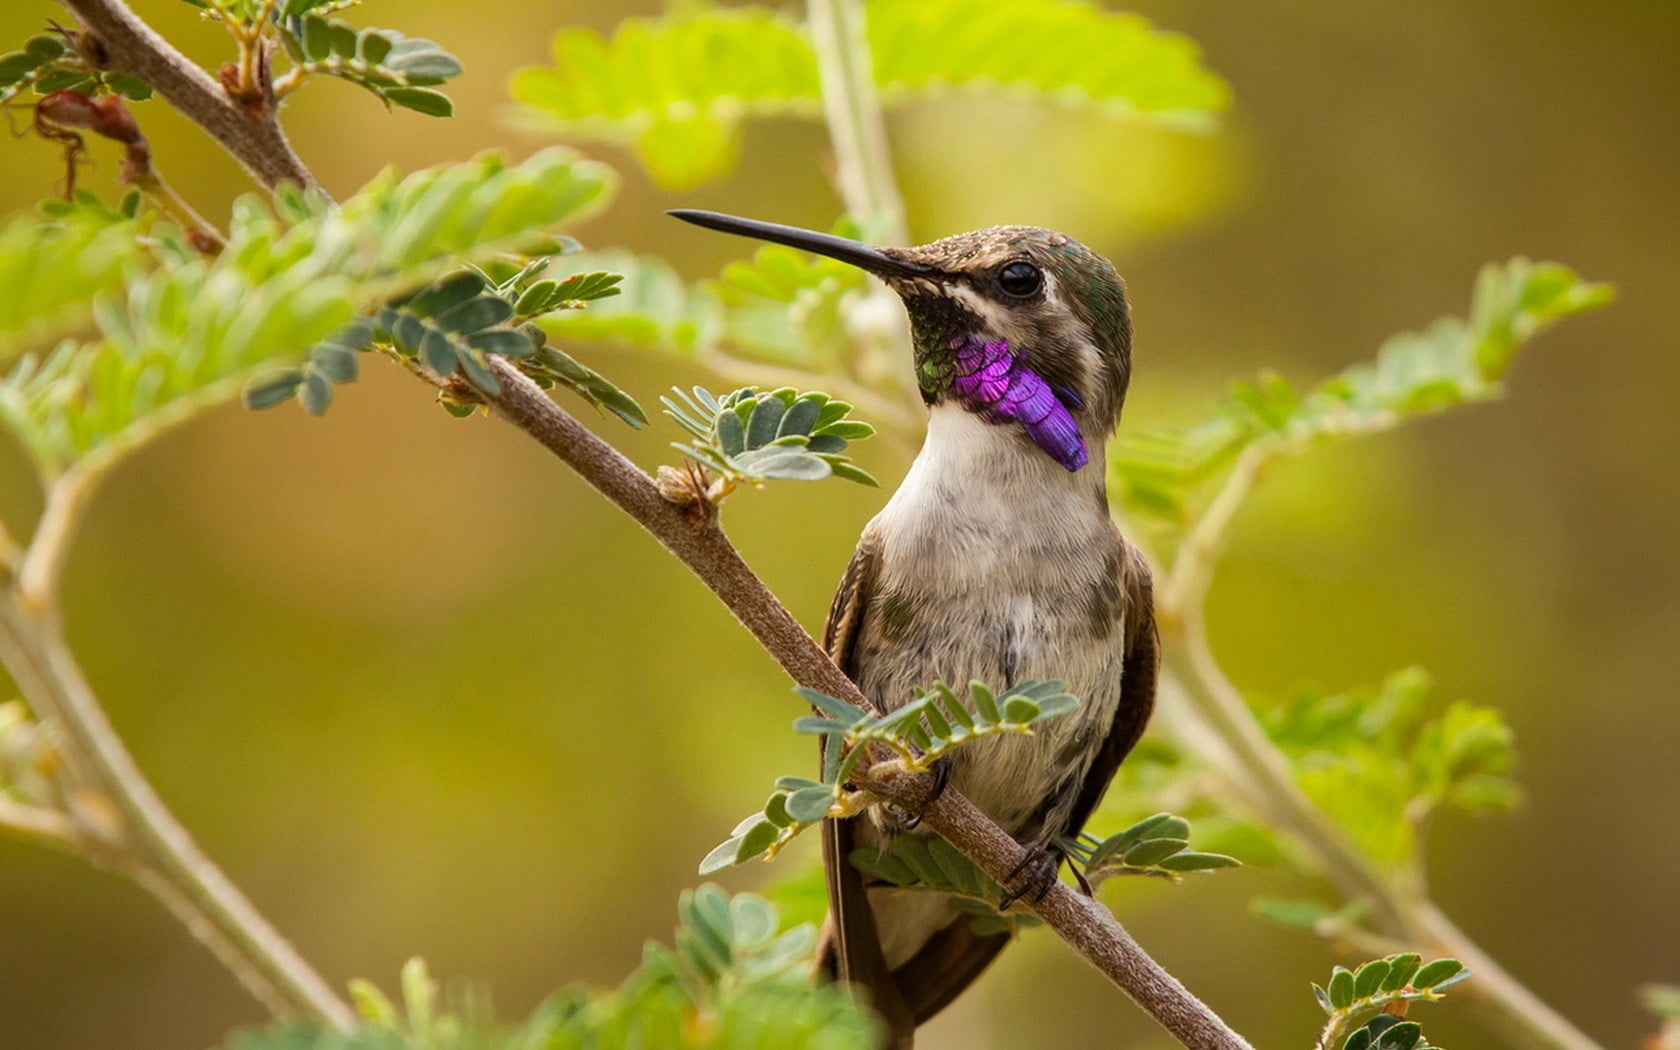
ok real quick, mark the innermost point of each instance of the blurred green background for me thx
(347, 650)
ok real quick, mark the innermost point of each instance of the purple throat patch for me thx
(999, 384)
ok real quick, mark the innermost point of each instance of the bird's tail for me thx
(850, 950)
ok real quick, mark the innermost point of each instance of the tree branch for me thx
(699, 544)
(250, 133)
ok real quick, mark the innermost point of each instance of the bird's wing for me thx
(850, 949)
(1137, 685)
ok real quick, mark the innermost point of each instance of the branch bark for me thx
(123, 43)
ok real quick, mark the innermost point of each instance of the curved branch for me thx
(700, 545)
(42, 565)
(1264, 775)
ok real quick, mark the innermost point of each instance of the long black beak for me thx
(865, 256)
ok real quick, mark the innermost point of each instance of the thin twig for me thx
(38, 823)
(129, 45)
(863, 173)
(863, 167)
(43, 562)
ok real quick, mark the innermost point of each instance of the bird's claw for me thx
(1032, 878)
(940, 771)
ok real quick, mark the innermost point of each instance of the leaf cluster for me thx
(1381, 761)
(1352, 996)
(450, 326)
(401, 70)
(929, 863)
(733, 980)
(153, 329)
(1156, 847)
(781, 307)
(749, 436)
(933, 724)
(1168, 476)
(678, 88)
(47, 63)
(928, 728)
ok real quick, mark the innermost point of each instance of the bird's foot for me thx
(1032, 878)
(939, 776)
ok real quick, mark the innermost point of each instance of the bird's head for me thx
(1019, 324)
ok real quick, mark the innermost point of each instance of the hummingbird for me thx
(995, 560)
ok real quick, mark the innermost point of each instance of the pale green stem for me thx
(216, 913)
(1262, 771)
(37, 823)
(862, 162)
(43, 563)
(863, 171)
(1524, 1017)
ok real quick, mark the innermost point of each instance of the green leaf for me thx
(1400, 971)
(1402, 1036)
(757, 839)
(421, 100)
(1196, 862)
(274, 389)
(1169, 476)
(1154, 851)
(678, 88)
(1368, 979)
(1323, 998)
(1432, 974)
(811, 804)
(176, 331)
(317, 393)
(1341, 988)
(722, 856)
(831, 706)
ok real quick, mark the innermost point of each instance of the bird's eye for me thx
(1020, 279)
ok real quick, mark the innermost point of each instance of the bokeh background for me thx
(356, 653)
